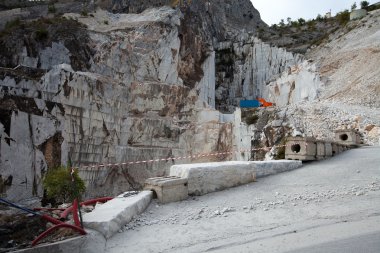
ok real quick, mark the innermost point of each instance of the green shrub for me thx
(320, 18)
(373, 7)
(105, 22)
(59, 185)
(252, 119)
(311, 24)
(343, 17)
(301, 21)
(282, 23)
(41, 34)
(51, 8)
(13, 23)
(353, 6)
(274, 26)
(295, 24)
(84, 13)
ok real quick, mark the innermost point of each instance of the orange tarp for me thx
(264, 103)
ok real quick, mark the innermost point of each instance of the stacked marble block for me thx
(168, 189)
(348, 138)
(308, 148)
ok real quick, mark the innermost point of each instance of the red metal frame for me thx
(59, 223)
(51, 219)
(75, 213)
(44, 234)
(84, 203)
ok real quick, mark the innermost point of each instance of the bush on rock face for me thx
(59, 185)
(343, 17)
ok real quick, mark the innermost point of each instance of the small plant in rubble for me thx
(60, 186)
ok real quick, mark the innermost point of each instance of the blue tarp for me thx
(249, 103)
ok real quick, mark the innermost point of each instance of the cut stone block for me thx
(267, 168)
(210, 177)
(300, 148)
(357, 14)
(328, 149)
(347, 137)
(168, 189)
(335, 149)
(321, 150)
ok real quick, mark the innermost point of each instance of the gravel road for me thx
(323, 201)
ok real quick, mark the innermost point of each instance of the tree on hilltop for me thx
(353, 7)
(364, 4)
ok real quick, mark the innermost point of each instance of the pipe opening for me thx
(154, 194)
(296, 148)
(343, 137)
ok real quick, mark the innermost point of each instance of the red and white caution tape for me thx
(180, 157)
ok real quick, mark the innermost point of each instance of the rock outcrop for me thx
(120, 99)
(245, 66)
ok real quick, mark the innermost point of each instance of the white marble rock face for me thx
(131, 104)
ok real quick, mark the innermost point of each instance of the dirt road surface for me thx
(322, 202)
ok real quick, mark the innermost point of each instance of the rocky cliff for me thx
(110, 88)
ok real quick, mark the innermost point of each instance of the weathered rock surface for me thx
(347, 65)
(300, 83)
(243, 68)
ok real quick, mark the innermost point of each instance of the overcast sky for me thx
(272, 11)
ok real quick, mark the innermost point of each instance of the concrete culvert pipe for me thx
(343, 137)
(154, 194)
(296, 148)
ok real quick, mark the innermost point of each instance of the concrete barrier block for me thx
(111, 216)
(347, 137)
(300, 148)
(168, 189)
(267, 168)
(210, 177)
(321, 150)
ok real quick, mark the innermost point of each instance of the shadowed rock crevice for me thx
(51, 149)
